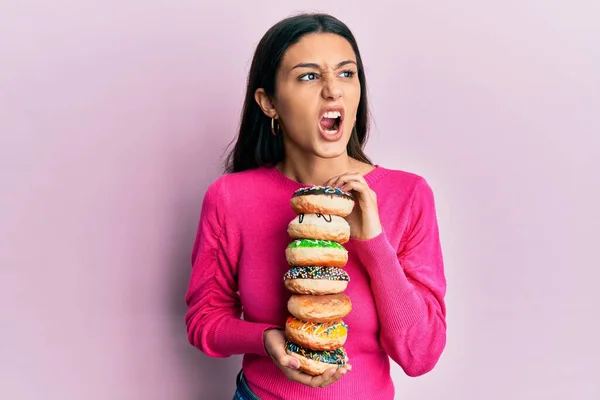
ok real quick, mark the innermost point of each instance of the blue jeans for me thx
(243, 391)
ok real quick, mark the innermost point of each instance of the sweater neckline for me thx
(287, 183)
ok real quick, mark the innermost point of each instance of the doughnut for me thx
(313, 362)
(316, 335)
(303, 252)
(316, 280)
(319, 226)
(322, 200)
(324, 308)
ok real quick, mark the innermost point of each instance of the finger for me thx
(328, 377)
(350, 178)
(289, 362)
(308, 380)
(336, 180)
(339, 372)
(331, 182)
(342, 180)
(280, 356)
(299, 376)
(358, 186)
(320, 380)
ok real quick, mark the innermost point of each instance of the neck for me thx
(315, 170)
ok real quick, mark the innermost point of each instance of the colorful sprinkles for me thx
(337, 356)
(317, 272)
(334, 329)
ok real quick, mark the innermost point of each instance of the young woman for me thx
(303, 67)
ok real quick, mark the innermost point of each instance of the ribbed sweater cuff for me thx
(241, 337)
(396, 295)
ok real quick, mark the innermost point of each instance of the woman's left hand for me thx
(364, 219)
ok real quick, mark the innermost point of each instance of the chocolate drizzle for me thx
(322, 190)
(326, 217)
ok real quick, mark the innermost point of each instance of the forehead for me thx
(322, 48)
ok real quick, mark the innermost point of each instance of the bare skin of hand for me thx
(275, 345)
(364, 220)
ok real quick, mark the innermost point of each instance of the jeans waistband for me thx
(244, 389)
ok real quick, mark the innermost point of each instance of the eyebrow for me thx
(313, 65)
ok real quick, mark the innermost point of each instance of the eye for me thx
(308, 77)
(348, 73)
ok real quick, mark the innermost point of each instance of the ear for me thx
(265, 103)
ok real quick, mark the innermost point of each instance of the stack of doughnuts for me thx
(315, 329)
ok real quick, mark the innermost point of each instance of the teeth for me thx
(332, 114)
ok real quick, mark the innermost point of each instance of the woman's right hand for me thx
(275, 345)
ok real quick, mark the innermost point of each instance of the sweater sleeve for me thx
(213, 319)
(409, 286)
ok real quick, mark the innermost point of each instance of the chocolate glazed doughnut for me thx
(316, 280)
(322, 200)
(319, 226)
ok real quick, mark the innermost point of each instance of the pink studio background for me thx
(113, 116)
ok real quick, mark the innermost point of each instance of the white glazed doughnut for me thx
(319, 226)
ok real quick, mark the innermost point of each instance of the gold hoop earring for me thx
(273, 131)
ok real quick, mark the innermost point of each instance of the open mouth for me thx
(331, 122)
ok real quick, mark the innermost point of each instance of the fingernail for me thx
(294, 364)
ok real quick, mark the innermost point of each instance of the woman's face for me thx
(317, 95)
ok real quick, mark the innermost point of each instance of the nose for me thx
(332, 90)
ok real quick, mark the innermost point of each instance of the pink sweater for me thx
(397, 283)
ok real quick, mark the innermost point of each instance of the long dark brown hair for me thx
(255, 146)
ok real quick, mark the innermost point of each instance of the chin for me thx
(323, 148)
(331, 150)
